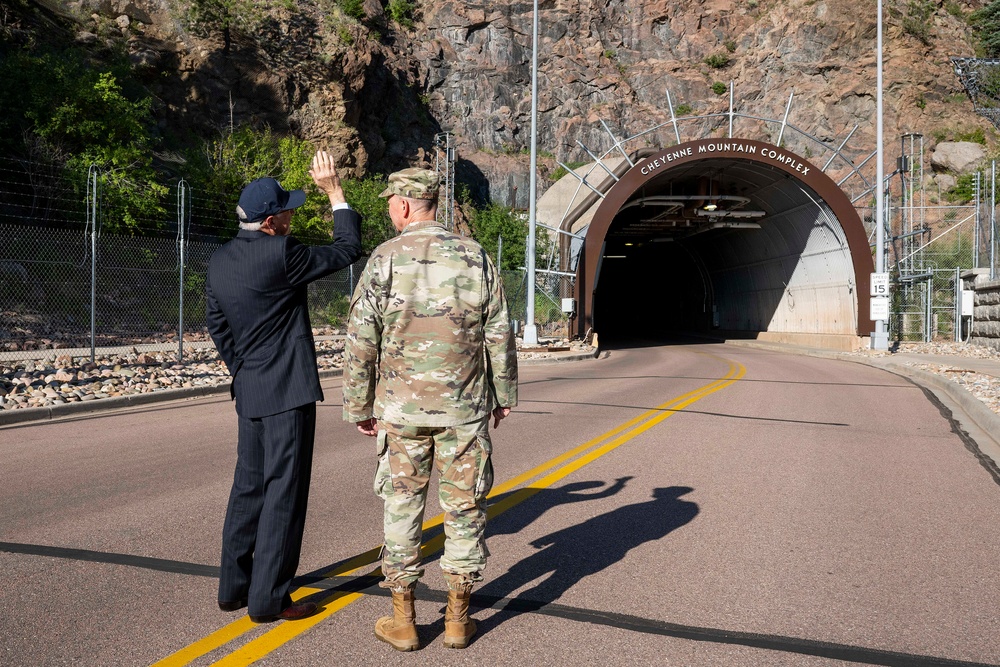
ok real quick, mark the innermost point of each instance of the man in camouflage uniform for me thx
(429, 358)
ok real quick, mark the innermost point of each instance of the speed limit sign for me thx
(880, 284)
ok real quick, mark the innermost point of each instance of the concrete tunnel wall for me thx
(796, 278)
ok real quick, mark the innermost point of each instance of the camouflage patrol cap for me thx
(413, 183)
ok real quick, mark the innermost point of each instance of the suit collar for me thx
(246, 234)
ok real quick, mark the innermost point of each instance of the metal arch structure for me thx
(819, 296)
(835, 178)
(981, 79)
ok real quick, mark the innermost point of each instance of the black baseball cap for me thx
(265, 196)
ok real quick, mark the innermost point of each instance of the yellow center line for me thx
(284, 632)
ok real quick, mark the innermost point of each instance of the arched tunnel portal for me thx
(726, 234)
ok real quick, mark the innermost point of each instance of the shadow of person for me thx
(570, 554)
(519, 517)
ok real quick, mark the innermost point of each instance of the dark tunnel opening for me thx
(650, 290)
(729, 237)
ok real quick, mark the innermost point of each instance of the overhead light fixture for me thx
(711, 205)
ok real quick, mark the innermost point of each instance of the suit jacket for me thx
(258, 316)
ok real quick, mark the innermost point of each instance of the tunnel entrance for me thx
(731, 235)
(637, 280)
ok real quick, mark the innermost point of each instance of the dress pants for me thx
(262, 534)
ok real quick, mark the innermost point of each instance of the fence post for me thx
(92, 225)
(927, 308)
(182, 219)
(958, 304)
(979, 205)
(993, 218)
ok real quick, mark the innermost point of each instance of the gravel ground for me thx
(56, 379)
(984, 387)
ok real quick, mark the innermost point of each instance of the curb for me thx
(979, 422)
(583, 356)
(11, 417)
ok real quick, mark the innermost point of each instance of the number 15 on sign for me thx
(880, 284)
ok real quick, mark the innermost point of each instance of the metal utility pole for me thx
(879, 337)
(993, 220)
(183, 222)
(530, 331)
(445, 166)
(92, 223)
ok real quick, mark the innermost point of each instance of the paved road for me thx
(665, 505)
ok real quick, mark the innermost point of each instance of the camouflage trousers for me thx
(461, 455)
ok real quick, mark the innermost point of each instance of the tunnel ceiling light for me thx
(730, 214)
(734, 225)
(711, 206)
(677, 201)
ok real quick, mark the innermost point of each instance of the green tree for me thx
(84, 115)
(986, 23)
(363, 196)
(963, 191)
(401, 11)
(353, 8)
(917, 20)
(225, 165)
(496, 221)
(225, 16)
(717, 60)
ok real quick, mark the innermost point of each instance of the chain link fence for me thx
(67, 284)
(550, 320)
(931, 247)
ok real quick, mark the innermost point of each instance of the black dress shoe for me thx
(232, 606)
(293, 612)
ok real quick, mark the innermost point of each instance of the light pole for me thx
(879, 337)
(530, 331)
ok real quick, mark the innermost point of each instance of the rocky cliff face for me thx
(377, 94)
(615, 60)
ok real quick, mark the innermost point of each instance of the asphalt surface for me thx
(683, 505)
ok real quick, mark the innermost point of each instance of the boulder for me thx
(945, 181)
(959, 157)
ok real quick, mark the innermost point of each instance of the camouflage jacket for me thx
(428, 340)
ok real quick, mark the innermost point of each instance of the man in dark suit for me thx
(259, 320)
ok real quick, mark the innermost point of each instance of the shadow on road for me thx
(570, 554)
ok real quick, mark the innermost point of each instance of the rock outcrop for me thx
(615, 61)
(957, 156)
(377, 93)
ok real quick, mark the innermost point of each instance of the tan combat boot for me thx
(400, 629)
(458, 627)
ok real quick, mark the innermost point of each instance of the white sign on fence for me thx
(880, 284)
(879, 308)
